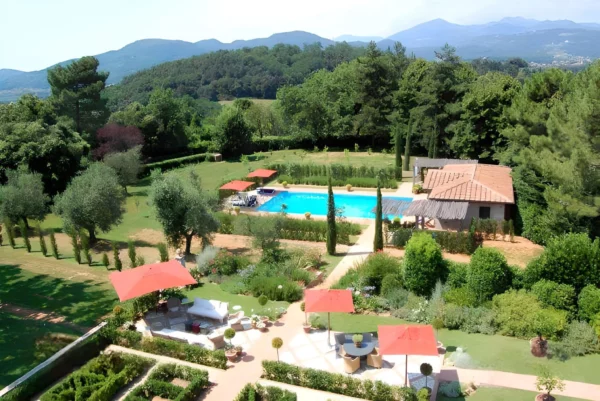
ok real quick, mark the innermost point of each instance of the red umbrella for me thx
(145, 279)
(407, 340)
(328, 301)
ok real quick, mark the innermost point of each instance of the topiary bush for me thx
(489, 274)
(391, 282)
(423, 264)
(559, 296)
(376, 266)
(457, 274)
(589, 302)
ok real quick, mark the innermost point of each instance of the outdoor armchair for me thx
(351, 364)
(374, 359)
(218, 341)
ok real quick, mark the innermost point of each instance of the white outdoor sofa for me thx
(212, 309)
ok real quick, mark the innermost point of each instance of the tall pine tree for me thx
(331, 229)
(378, 241)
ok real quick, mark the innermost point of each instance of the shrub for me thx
(559, 296)
(398, 237)
(457, 274)
(450, 389)
(376, 266)
(423, 264)
(268, 286)
(53, 245)
(131, 253)
(391, 282)
(316, 321)
(262, 300)
(519, 314)
(172, 163)
(489, 274)
(40, 235)
(462, 296)
(397, 298)
(264, 393)
(454, 317)
(75, 247)
(85, 247)
(570, 259)
(10, 231)
(115, 249)
(580, 339)
(163, 251)
(589, 302)
(335, 383)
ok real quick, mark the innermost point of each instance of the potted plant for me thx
(238, 350)
(261, 326)
(349, 187)
(547, 382)
(305, 326)
(285, 184)
(277, 343)
(230, 351)
(417, 189)
(254, 319)
(307, 215)
(357, 339)
(539, 346)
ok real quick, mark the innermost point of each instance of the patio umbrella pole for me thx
(406, 371)
(329, 328)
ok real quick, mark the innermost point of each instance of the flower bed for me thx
(264, 393)
(159, 384)
(335, 382)
(99, 379)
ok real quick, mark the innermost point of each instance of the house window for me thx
(484, 212)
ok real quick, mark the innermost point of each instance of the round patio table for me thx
(365, 348)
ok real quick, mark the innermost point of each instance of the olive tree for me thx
(93, 201)
(126, 164)
(184, 209)
(23, 196)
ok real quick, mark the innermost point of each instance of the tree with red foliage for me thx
(117, 138)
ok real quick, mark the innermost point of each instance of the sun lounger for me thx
(266, 191)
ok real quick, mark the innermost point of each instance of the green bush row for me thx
(358, 182)
(158, 384)
(170, 164)
(337, 171)
(100, 379)
(453, 242)
(335, 383)
(295, 229)
(264, 393)
(173, 349)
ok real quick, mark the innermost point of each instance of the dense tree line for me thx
(250, 72)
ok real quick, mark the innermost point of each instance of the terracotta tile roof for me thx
(471, 182)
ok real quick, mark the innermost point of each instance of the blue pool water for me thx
(359, 206)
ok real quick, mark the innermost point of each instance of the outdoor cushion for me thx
(211, 309)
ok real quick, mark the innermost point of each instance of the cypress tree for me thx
(331, 229)
(398, 156)
(105, 261)
(23, 229)
(10, 232)
(118, 264)
(40, 235)
(75, 246)
(131, 253)
(85, 246)
(53, 245)
(406, 166)
(163, 251)
(378, 241)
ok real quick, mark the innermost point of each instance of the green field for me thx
(22, 346)
(502, 394)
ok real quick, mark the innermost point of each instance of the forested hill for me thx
(250, 72)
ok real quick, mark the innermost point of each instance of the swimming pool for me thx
(359, 206)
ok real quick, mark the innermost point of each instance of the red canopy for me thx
(262, 173)
(407, 340)
(328, 301)
(145, 279)
(237, 185)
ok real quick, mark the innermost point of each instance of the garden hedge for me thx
(159, 384)
(335, 383)
(294, 229)
(173, 349)
(170, 164)
(453, 242)
(264, 393)
(99, 379)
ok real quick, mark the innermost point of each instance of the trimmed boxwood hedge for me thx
(170, 164)
(264, 393)
(335, 383)
(295, 229)
(158, 384)
(100, 379)
(173, 349)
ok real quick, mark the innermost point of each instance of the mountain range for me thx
(533, 40)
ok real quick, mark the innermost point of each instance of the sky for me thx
(35, 34)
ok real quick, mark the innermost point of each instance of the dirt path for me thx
(33, 314)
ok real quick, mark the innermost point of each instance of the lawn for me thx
(496, 352)
(501, 394)
(80, 293)
(248, 303)
(22, 345)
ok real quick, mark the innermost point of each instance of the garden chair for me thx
(367, 337)
(340, 339)
(174, 308)
(375, 359)
(351, 364)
